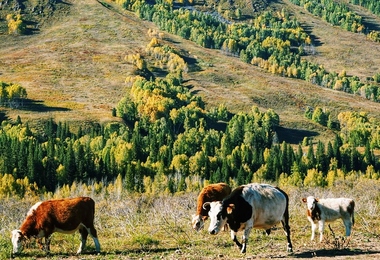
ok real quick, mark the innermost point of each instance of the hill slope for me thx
(74, 69)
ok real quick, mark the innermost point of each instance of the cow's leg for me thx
(234, 238)
(83, 233)
(313, 228)
(247, 231)
(95, 238)
(285, 224)
(40, 243)
(47, 244)
(92, 231)
(321, 229)
(225, 227)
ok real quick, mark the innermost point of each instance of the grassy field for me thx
(158, 227)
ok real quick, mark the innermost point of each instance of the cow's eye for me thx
(219, 216)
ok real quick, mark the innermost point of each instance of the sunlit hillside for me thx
(73, 68)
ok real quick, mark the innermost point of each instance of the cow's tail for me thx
(285, 221)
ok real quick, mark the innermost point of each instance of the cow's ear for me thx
(316, 199)
(230, 208)
(304, 200)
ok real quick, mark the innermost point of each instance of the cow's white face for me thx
(217, 221)
(17, 238)
(197, 222)
(310, 202)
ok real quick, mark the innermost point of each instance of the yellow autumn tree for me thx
(15, 24)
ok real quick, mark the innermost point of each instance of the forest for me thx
(168, 137)
(168, 140)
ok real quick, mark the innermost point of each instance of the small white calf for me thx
(328, 210)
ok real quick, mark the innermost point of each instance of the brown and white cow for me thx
(58, 215)
(254, 205)
(328, 210)
(212, 192)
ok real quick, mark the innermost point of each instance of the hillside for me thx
(73, 68)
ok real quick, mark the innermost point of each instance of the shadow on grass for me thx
(38, 106)
(334, 253)
(3, 116)
(293, 136)
(101, 255)
(142, 251)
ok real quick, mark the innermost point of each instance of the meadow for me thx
(149, 226)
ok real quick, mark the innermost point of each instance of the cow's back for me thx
(66, 214)
(268, 204)
(335, 208)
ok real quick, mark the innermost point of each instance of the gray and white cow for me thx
(320, 211)
(259, 206)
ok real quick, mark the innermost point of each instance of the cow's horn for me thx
(206, 204)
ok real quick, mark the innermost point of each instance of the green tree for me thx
(319, 116)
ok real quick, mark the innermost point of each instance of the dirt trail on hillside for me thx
(337, 49)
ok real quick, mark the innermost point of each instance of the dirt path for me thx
(337, 49)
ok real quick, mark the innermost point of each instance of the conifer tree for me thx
(130, 178)
(70, 169)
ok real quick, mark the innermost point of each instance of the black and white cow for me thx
(259, 206)
(320, 211)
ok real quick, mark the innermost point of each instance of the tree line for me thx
(339, 14)
(371, 5)
(169, 138)
(335, 13)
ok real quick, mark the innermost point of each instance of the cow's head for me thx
(17, 238)
(218, 215)
(198, 222)
(310, 202)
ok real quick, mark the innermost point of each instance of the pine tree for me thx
(130, 178)
(310, 156)
(225, 171)
(30, 162)
(139, 177)
(69, 163)
(240, 179)
(321, 163)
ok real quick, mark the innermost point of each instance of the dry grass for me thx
(155, 227)
(337, 49)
